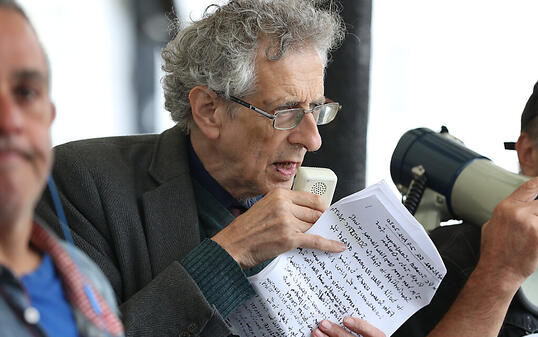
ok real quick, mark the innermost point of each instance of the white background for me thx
(469, 65)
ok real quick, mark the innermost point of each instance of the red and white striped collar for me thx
(74, 282)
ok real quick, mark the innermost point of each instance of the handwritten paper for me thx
(390, 270)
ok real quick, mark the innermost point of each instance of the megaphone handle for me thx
(414, 196)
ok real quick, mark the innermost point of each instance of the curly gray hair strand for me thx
(219, 50)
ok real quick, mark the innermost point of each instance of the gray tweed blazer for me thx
(130, 205)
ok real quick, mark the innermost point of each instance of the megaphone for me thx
(466, 185)
(471, 183)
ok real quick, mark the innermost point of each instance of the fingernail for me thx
(342, 246)
(349, 321)
(325, 324)
(317, 333)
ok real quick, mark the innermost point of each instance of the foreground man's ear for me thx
(205, 112)
(52, 113)
(527, 154)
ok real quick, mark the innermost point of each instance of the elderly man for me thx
(177, 221)
(46, 287)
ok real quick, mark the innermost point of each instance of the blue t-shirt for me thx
(47, 295)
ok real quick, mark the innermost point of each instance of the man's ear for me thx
(527, 154)
(52, 112)
(204, 111)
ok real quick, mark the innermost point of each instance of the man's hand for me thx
(359, 326)
(510, 238)
(274, 225)
(508, 255)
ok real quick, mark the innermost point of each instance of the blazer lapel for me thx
(171, 219)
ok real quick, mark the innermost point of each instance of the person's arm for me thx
(508, 255)
(480, 308)
(172, 305)
(274, 225)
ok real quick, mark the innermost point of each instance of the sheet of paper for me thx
(389, 270)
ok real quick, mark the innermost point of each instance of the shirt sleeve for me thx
(219, 277)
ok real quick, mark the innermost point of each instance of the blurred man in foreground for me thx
(42, 290)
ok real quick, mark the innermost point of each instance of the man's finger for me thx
(356, 325)
(328, 328)
(306, 214)
(318, 242)
(362, 327)
(318, 333)
(526, 192)
(307, 199)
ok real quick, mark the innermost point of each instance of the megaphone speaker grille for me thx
(319, 188)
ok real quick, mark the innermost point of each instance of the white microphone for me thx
(317, 180)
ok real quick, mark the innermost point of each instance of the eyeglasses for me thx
(287, 119)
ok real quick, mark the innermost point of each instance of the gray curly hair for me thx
(219, 50)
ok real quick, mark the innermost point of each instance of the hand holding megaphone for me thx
(477, 192)
(509, 244)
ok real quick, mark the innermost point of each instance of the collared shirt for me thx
(45, 288)
(201, 175)
(19, 318)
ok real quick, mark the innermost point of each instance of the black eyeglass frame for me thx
(277, 112)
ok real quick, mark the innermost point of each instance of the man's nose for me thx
(11, 117)
(306, 133)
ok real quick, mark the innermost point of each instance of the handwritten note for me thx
(390, 270)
